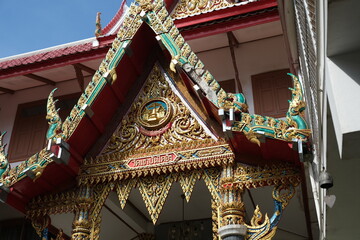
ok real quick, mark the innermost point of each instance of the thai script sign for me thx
(152, 160)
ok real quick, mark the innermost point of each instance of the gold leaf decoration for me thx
(133, 135)
(187, 182)
(154, 191)
(211, 177)
(123, 190)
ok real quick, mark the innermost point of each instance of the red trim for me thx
(55, 62)
(224, 27)
(224, 13)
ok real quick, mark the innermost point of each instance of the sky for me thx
(28, 25)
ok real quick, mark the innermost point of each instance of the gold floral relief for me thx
(186, 8)
(158, 118)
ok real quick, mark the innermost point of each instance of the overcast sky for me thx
(28, 25)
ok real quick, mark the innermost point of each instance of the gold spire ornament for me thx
(98, 30)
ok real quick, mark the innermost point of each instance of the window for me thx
(271, 93)
(29, 132)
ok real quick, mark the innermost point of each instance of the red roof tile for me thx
(39, 57)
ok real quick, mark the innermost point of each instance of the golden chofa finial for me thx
(98, 30)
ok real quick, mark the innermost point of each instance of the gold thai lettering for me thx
(152, 160)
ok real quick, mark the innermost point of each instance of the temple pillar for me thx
(82, 223)
(232, 210)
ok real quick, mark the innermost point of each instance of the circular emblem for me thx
(155, 113)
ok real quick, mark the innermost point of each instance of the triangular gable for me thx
(111, 76)
(161, 132)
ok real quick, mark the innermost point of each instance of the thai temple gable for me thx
(160, 129)
(111, 72)
(151, 116)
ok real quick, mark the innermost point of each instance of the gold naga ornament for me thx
(4, 164)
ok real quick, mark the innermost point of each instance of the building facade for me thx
(174, 123)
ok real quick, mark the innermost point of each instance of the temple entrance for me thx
(178, 219)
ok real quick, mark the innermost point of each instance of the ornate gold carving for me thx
(101, 192)
(211, 177)
(184, 126)
(260, 228)
(40, 223)
(215, 219)
(146, 5)
(82, 220)
(119, 166)
(154, 191)
(155, 113)
(283, 193)
(36, 163)
(53, 118)
(52, 204)
(60, 235)
(123, 190)
(252, 177)
(265, 228)
(295, 126)
(187, 182)
(4, 164)
(232, 212)
(187, 8)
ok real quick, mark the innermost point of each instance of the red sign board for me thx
(152, 160)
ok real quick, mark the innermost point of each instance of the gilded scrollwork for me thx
(4, 164)
(123, 189)
(53, 118)
(187, 8)
(294, 128)
(264, 228)
(156, 106)
(63, 202)
(187, 182)
(252, 177)
(154, 191)
(40, 224)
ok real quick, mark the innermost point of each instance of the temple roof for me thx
(48, 53)
(148, 34)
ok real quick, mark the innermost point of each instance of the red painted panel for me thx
(105, 105)
(269, 152)
(84, 136)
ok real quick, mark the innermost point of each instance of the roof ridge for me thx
(49, 49)
(113, 22)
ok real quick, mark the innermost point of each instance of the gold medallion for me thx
(155, 113)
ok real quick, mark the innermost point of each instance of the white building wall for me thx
(252, 58)
(9, 102)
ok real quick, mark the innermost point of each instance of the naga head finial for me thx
(2, 146)
(53, 117)
(4, 164)
(297, 104)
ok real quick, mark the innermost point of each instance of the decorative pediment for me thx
(161, 132)
(158, 119)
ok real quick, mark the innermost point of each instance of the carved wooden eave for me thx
(148, 35)
(186, 9)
